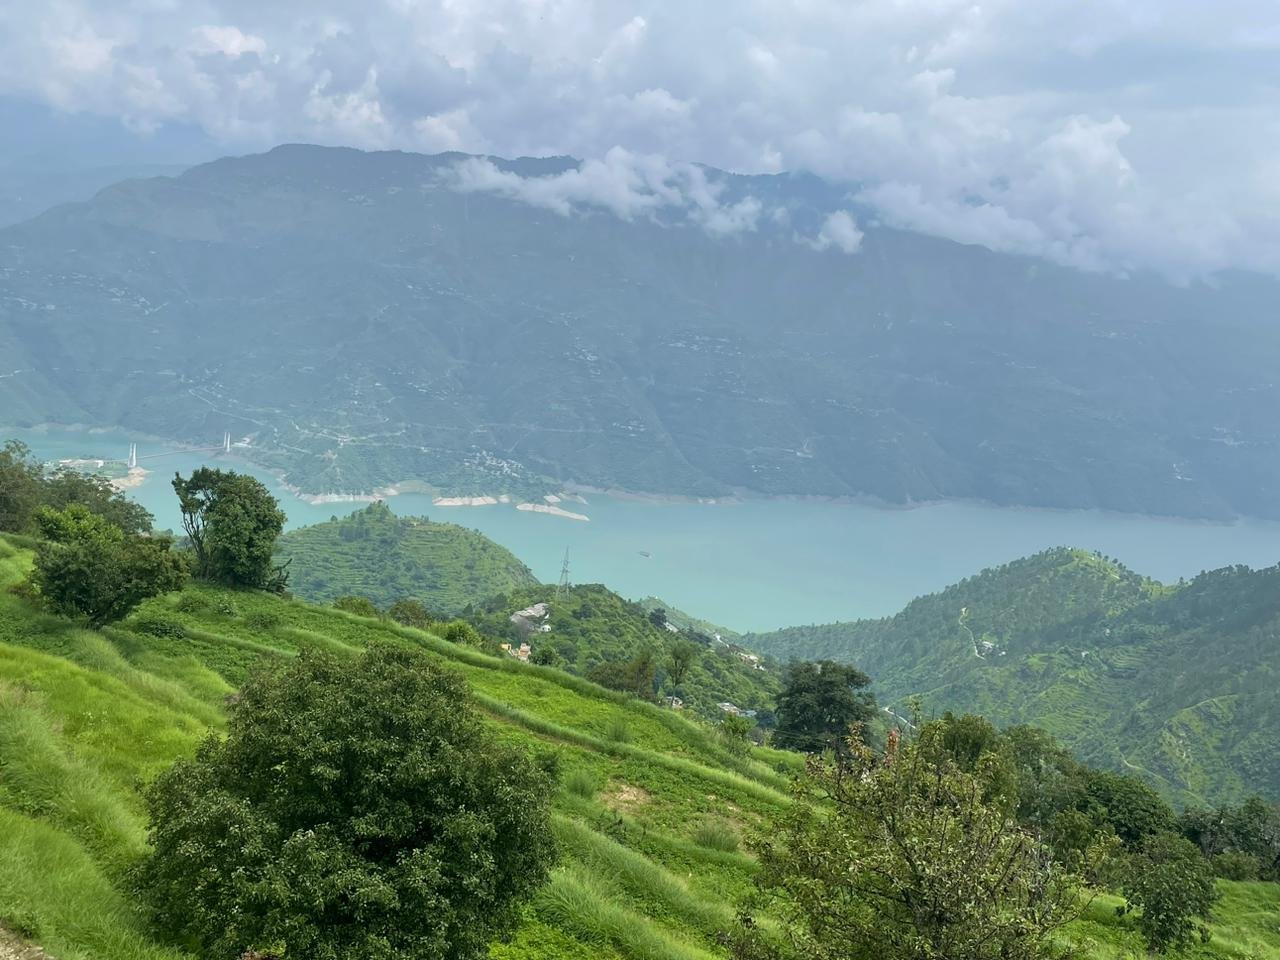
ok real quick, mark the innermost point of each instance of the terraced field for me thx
(652, 814)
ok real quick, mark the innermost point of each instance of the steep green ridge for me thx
(591, 624)
(366, 323)
(374, 553)
(1178, 683)
(87, 718)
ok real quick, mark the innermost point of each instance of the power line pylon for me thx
(564, 575)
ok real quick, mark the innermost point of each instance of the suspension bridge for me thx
(133, 460)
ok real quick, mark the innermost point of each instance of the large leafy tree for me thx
(908, 856)
(21, 478)
(1172, 886)
(354, 809)
(233, 522)
(819, 704)
(88, 567)
(681, 655)
(96, 493)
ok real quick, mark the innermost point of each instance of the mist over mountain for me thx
(484, 325)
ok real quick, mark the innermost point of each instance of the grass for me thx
(716, 835)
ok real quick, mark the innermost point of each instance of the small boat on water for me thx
(644, 553)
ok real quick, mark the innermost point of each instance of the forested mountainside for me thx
(1180, 683)
(363, 321)
(375, 554)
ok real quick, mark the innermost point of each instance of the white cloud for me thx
(1110, 134)
(229, 41)
(630, 186)
(838, 230)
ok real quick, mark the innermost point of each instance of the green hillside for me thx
(590, 625)
(374, 553)
(1177, 683)
(87, 718)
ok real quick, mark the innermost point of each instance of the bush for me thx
(191, 603)
(716, 835)
(459, 631)
(355, 808)
(1234, 865)
(360, 606)
(263, 620)
(617, 730)
(581, 782)
(159, 627)
(226, 607)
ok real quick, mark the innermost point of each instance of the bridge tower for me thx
(133, 456)
(226, 442)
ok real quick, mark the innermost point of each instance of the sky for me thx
(1114, 135)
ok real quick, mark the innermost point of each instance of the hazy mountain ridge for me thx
(1177, 682)
(365, 323)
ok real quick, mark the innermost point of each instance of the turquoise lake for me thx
(757, 564)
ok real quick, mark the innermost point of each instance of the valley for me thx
(756, 564)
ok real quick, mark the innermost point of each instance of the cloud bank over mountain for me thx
(1107, 134)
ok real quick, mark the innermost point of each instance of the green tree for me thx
(21, 477)
(735, 731)
(410, 613)
(355, 808)
(819, 704)
(681, 655)
(88, 567)
(96, 493)
(460, 631)
(1171, 884)
(1132, 808)
(232, 521)
(907, 856)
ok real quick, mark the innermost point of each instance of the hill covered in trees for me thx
(591, 631)
(369, 318)
(1177, 682)
(375, 554)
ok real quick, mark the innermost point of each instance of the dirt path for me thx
(15, 948)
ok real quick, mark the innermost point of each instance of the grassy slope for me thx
(375, 554)
(87, 718)
(1175, 682)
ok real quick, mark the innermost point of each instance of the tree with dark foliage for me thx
(819, 704)
(88, 567)
(232, 521)
(353, 809)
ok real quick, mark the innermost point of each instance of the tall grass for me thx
(579, 902)
(51, 888)
(39, 778)
(641, 880)
(716, 835)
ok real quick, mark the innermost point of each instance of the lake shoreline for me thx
(580, 490)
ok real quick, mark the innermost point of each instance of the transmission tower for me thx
(564, 575)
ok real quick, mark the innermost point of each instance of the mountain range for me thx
(362, 320)
(1175, 682)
